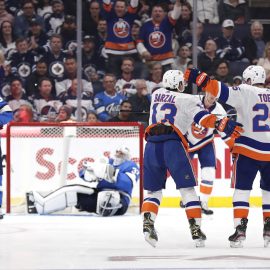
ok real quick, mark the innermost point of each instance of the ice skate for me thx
(1, 213)
(149, 231)
(197, 235)
(236, 239)
(205, 209)
(30, 200)
(182, 205)
(266, 232)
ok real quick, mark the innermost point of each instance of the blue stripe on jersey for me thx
(224, 92)
(193, 203)
(206, 182)
(266, 206)
(253, 143)
(152, 200)
(199, 116)
(245, 204)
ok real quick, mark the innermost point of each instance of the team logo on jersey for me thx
(157, 39)
(89, 71)
(24, 69)
(71, 45)
(121, 28)
(198, 131)
(48, 112)
(56, 69)
(113, 109)
(5, 90)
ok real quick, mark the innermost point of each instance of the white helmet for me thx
(172, 79)
(256, 74)
(122, 153)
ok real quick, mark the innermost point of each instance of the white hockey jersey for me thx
(253, 111)
(199, 136)
(176, 109)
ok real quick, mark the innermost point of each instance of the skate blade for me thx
(266, 241)
(199, 243)
(149, 240)
(236, 244)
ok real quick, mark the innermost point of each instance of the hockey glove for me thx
(229, 127)
(194, 75)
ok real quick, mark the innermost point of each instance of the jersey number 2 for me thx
(257, 126)
(169, 110)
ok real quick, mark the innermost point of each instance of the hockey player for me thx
(252, 150)
(201, 142)
(115, 180)
(171, 114)
(6, 115)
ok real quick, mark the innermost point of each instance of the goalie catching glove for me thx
(100, 170)
(229, 127)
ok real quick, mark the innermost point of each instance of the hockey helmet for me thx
(172, 79)
(256, 75)
(122, 153)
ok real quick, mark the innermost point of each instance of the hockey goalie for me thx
(113, 178)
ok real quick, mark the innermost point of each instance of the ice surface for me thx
(91, 242)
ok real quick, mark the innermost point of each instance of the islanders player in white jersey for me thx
(252, 103)
(171, 114)
(201, 143)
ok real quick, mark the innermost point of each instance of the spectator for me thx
(155, 79)
(24, 114)
(4, 15)
(182, 58)
(184, 21)
(229, 47)
(70, 97)
(54, 56)
(31, 84)
(141, 102)
(17, 96)
(101, 38)
(37, 37)
(92, 17)
(46, 104)
(125, 113)
(126, 83)
(92, 117)
(119, 43)
(223, 73)
(254, 44)
(7, 39)
(235, 10)
(22, 61)
(237, 80)
(69, 33)
(207, 11)
(208, 60)
(56, 19)
(64, 114)
(265, 63)
(22, 22)
(70, 66)
(107, 102)
(155, 40)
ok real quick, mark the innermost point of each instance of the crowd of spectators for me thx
(126, 47)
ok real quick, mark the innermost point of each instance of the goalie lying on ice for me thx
(114, 180)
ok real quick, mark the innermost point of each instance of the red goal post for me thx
(45, 156)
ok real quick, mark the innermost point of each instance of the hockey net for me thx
(46, 156)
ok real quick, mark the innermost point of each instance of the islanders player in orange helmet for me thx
(252, 150)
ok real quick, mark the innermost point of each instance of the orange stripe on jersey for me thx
(250, 153)
(206, 190)
(107, 8)
(240, 213)
(208, 121)
(162, 56)
(120, 46)
(194, 213)
(149, 207)
(266, 215)
(212, 87)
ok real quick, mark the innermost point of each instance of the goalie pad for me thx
(60, 199)
(108, 202)
(105, 171)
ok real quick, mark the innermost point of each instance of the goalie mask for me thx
(122, 154)
(108, 202)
